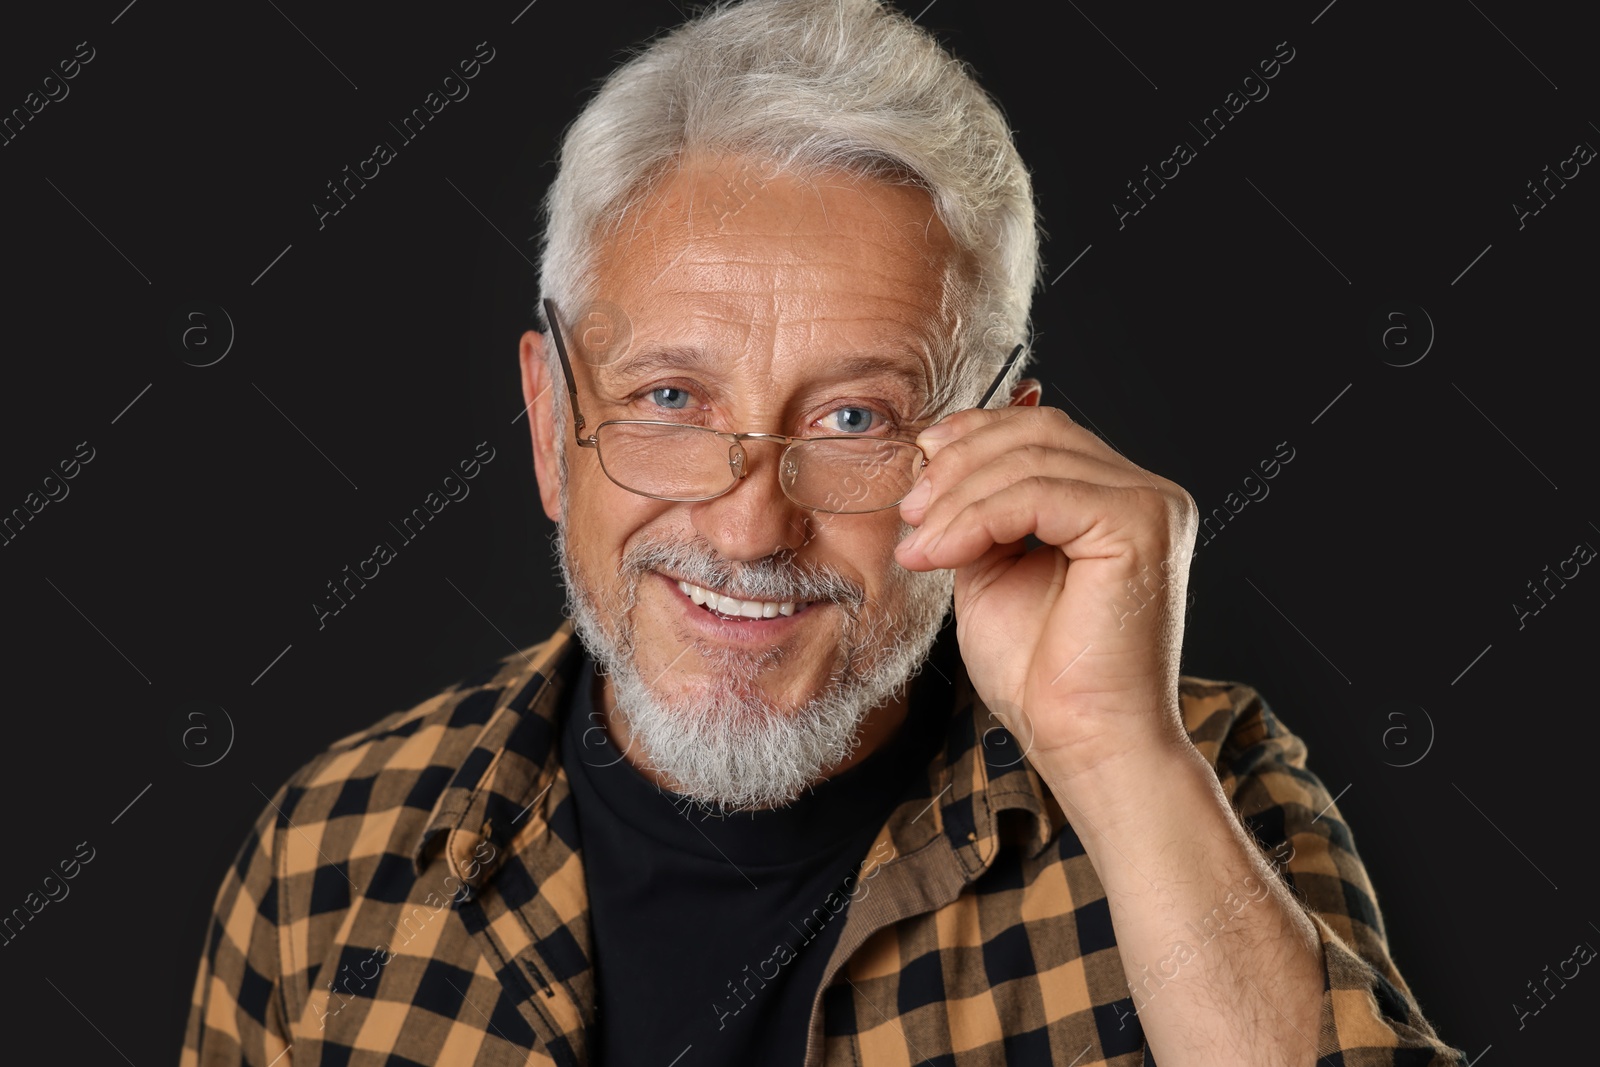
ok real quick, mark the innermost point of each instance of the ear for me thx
(538, 397)
(1027, 393)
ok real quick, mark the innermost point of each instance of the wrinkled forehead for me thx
(736, 255)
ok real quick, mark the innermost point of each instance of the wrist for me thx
(1146, 779)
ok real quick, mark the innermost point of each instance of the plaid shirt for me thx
(416, 895)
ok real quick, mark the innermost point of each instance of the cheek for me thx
(601, 518)
(862, 546)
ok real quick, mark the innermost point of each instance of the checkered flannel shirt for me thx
(416, 895)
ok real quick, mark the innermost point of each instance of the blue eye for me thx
(668, 397)
(852, 419)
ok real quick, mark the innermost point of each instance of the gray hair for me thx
(807, 85)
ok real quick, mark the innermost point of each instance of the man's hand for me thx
(1075, 645)
(1081, 635)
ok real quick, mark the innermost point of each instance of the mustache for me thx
(778, 577)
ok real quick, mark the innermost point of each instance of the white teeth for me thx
(748, 609)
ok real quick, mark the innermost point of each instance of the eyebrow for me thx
(853, 365)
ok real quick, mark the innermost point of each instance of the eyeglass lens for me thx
(843, 475)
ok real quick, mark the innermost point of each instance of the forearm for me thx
(1223, 965)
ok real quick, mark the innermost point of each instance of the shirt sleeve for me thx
(236, 1010)
(1369, 1014)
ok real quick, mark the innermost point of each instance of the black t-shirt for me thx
(710, 932)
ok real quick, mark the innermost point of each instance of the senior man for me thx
(724, 816)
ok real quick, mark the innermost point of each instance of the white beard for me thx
(729, 748)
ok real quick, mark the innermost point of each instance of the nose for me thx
(754, 519)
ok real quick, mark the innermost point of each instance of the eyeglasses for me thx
(673, 461)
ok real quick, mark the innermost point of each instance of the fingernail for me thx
(937, 432)
(918, 497)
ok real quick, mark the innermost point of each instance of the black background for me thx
(1198, 336)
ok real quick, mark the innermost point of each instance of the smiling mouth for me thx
(729, 607)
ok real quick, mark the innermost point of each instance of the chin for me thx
(756, 722)
(770, 680)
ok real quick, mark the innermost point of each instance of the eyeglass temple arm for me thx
(566, 366)
(1010, 360)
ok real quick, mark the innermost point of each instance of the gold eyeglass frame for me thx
(737, 459)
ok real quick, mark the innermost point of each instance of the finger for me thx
(944, 490)
(1082, 518)
(959, 423)
(971, 437)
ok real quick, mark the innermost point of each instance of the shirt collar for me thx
(495, 802)
(494, 799)
(982, 793)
